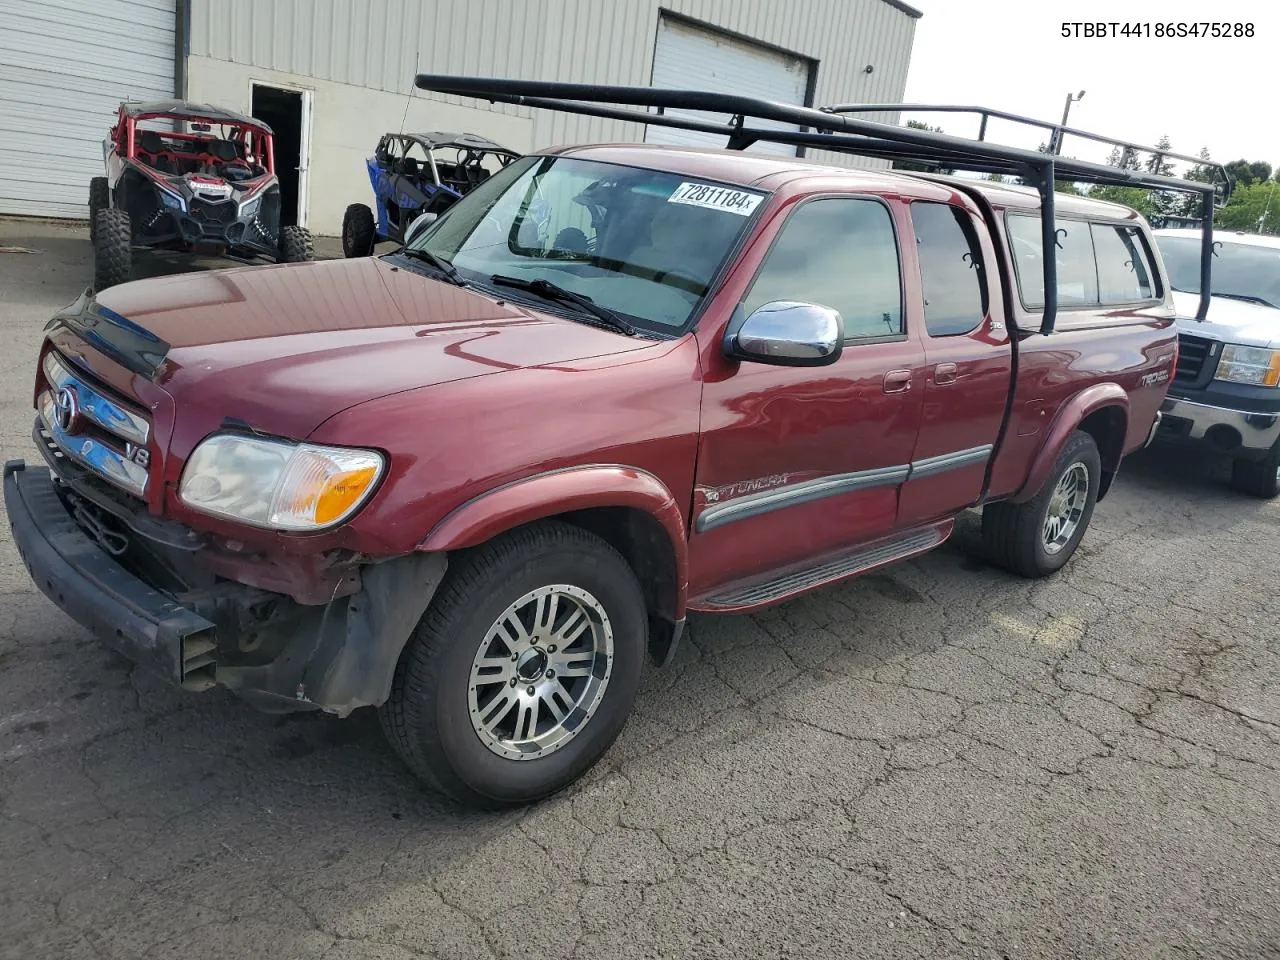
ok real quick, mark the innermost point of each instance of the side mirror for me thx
(419, 223)
(788, 333)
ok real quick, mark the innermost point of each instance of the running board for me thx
(758, 592)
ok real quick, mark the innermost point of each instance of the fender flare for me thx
(562, 491)
(1070, 415)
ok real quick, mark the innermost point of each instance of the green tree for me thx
(1139, 198)
(1253, 208)
(1243, 173)
(1191, 205)
(917, 166)
(1164, 203)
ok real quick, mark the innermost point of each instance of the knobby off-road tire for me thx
(99, 199)
(446, 716)
(359, 232)
(295, 245)
(1037, 538)
(112, 248)
(1258, 478)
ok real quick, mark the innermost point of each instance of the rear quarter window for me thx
(1099, 264)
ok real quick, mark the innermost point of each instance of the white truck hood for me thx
(1231, 321)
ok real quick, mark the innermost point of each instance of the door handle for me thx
(897, 381)
(944, 373)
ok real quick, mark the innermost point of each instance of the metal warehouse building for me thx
(331, 76)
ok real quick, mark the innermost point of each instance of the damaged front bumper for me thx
(334, 657)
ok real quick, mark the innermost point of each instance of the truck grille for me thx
(90, 427)
(1193, 354)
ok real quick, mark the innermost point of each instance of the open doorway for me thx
(287, 113)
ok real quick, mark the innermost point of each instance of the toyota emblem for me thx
(66, 411)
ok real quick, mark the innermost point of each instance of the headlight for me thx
(1256, 365)
(277, 484)
(250, 207)
(171, 201)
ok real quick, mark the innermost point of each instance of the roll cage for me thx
(247, 136)
(837, 129)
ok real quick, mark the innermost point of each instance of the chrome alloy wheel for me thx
(1066, 506)
(541, 672)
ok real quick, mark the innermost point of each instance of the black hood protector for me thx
(132, 346)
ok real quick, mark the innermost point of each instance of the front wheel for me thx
(359, 232)
(99, 199)
(1258, 478)
(112, 248)
(1037, 538)
(523, 670)
(295, 245)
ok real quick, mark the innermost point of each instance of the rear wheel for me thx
(99, 199)
(359, 232)
(112, 248)
(1258, 478)
(523, 670)
(295, 245)
(1036, 538)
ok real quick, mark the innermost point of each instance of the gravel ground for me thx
(933, 761)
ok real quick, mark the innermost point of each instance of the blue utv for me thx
(415, 174)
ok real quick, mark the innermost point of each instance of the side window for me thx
(840, 253)
(955, 290)
(1124, 273)
(1077, 269)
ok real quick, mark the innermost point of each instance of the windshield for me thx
(643, 243)
(1239, 269)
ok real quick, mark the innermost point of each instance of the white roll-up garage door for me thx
(65, 65)
(688, 57)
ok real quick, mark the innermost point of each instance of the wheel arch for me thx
(1102, 411)
(629, 508)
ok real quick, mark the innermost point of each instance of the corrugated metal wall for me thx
(383, 43)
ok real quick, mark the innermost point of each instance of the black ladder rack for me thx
(1057, 135)
(832, 129)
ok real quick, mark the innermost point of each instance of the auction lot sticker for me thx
(716, 198)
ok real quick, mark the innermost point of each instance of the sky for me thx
(1011, 55)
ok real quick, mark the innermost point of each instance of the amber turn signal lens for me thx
(342, 492)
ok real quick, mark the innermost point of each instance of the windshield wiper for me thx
(551, 291)
(440, 263)
(1246, 297)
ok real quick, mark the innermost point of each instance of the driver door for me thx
(797, 461)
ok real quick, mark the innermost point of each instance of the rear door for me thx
(969, 361)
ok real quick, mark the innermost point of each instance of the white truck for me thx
(1226, 389)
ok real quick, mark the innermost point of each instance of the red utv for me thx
(188, 177)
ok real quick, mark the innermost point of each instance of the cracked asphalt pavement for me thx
(937, 760)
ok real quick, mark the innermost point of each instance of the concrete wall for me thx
(360, 59)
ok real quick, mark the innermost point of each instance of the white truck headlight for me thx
(278, 484)
(1256, 365)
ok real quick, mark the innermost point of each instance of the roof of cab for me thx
(758, 170)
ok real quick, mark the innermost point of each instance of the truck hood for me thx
(1231, 321)
(285, 347)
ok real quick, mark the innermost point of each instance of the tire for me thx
(1258, 478)
(99, 199)
(359, 232)
(295, 245)
(434, 715)
(1018, 536)
(112, 248)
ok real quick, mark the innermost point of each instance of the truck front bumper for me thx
(334, 658)
(142, 624)
(1236, 432)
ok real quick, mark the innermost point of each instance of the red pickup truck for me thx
(473, 482)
